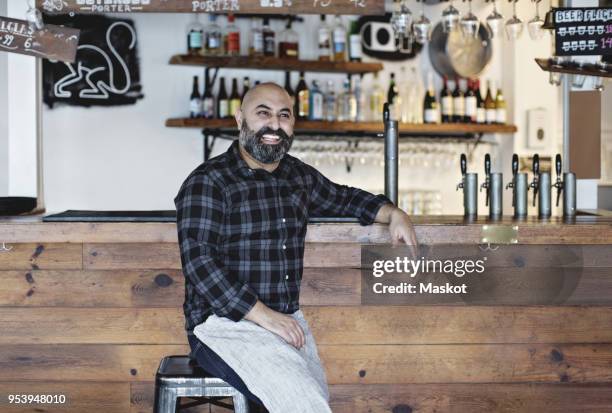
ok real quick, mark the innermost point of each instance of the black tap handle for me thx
(558, 165)
(386, 111)
(536, 164)
(487, 164)
(463, 162)
(515, 164)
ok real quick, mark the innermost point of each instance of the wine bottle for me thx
(246, 85)
(500, 107)
(288, 87)
(480, 106)
(458, 103)
(446, 101)
(234, 99)
(431, 111)
(208, 100)
(303, 98)
(354, 43)
(471, 103)
(490, 110)
(222, 101)
(195, 100)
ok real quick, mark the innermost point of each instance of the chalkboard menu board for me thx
(370, 7)
(583, 31)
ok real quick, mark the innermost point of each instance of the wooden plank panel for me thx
(80, 397)
(78, 288)
(330, 325)
(455, 398)
(358, 364)
(167, 256)
(42, 256)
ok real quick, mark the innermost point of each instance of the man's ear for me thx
(238, 117)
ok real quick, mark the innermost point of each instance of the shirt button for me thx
(284, 220)
(284, 247)
(286, 276)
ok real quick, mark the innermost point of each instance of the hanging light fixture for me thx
(401, 20)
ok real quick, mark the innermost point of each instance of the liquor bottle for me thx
(213, 37)
(351, 105)
(500, 107)
(339, 40)
(354, 43)
(268, 39)
(231, 39)
(256, 43)
(471, 103)
(360, 100)
(490, 110)
(431, 111)
(246, 85)
(303, 98)
(288, 87)
(195, 100)
(195, 31)
(324, 41)
(376, 100)
(419, 90)
(222, 101)
(480, 106)
(316, 102)
(288, 46)
(458, 103)
(208, 100)
(234, 99)
(330, 102)
(446, 102)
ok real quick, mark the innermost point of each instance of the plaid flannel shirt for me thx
(241, 232)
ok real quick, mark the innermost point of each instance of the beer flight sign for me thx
(371, 7)
(51, 42)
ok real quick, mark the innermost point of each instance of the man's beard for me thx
(263, 152)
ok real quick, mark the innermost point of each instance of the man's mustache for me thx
(269, 131)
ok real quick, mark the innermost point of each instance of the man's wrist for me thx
(384, 213)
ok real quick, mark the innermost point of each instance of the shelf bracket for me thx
(208, 144)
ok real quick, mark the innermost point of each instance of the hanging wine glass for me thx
(422, 27)
(450, 18)
(514, 25)
(34, 17)
(494, 21)
(470, 23)
(534, 26)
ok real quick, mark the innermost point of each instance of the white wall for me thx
(124, 157)
(4, 170)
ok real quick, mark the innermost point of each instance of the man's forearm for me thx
(383, 216)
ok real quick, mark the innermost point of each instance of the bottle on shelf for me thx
(324, 40)
(419, 90)
(446, 102)
(246, 85)
(302, 98)
(360, 100)
(339, 40)
(195, 100)
(231, 38)
(208, 99)
(376, 100)
(291, 92)
(471, 102)
(222, 101)
(288, 46)
(268, 39)
(431, 111)
(489, 103)
(355, 52)
(411, 97)
(213, 37)
(256, 43)
(195, 32)
(458, 103)
(330, 102)
(500, 107)
(480, 106)
(234, 99)
(316, 103)
(347, 103)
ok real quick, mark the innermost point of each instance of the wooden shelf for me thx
(274, 63)
(352, 127)
(587, 70)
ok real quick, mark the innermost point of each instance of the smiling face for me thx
(266, 122)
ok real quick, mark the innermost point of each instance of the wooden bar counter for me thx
(89, 309)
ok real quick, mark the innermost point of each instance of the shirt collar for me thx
(281, 171)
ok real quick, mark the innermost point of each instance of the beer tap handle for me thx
(535, 184)
(558, 165)
(559, 183)
(485, 184)
(386, 111)
(463, 164)
(515, 164)
(487, 165)
(536, 164)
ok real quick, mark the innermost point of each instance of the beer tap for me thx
(567, 187)
(487, 183)
(469, 184)
(519, 189)
(512, 184)
(463, 165)
(535, 184)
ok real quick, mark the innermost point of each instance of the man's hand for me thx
(400, 226)
(281, 324)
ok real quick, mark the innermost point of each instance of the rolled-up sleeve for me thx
(331, 199)
(199, 217)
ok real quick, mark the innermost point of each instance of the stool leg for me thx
(240, 403)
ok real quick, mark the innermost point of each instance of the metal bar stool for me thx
(178, 376)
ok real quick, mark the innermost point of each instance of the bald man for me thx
(241, 220)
